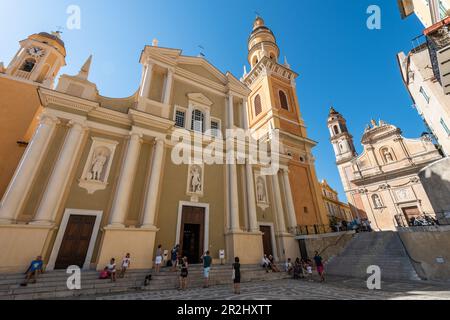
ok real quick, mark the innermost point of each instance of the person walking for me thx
(184, 271)
(237, 276)
(174, 257)
(319, 265)
(207, 261)
(126, 262)
(158, 259)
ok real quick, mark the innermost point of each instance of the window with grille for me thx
(444, 125)
(283, 100)
(258, 105)
(215, 128)
(198, 119)
(180, 118)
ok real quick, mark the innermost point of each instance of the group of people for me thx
(300, 269)
(181, 263)
(358, 224)
(110, 271)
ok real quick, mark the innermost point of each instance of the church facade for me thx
(382, 183)
(98, 179)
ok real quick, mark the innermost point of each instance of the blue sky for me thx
(340, 61)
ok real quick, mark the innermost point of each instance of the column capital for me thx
(133, 135)
(78, 124)
(48, 118)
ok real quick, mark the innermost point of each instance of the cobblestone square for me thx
(333, 289)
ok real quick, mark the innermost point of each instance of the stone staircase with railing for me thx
(52, 285)
(383, 249)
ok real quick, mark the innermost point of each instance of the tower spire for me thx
(84, 71)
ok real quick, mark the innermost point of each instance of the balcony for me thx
(23, 74)
(438, 40)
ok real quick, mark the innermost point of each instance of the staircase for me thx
(52, 285)
(383, 249)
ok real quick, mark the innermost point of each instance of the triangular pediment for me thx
(199, 98)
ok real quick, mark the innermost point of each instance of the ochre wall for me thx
(19, 103)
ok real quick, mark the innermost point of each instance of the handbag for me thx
(233, 277)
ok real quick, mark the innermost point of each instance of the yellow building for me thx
(35, 64)
(99, 179)
(337, 210)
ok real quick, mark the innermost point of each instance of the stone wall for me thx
(429, 248)
(436, 182)
(329, 245)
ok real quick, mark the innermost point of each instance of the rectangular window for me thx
(444, 125)
(180, 118)
(425, 95)
(215, 128)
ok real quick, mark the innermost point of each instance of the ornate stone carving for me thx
(262, 198)
(98, 164)
(195, 181)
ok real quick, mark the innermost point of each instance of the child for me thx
(158, 259)
(183, 273)
(309, 270)
(111, 269)
(126, 262)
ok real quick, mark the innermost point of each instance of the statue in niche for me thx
(388, 156)
(261, 190)
(196, 179)
(377, 201)
(98, 164)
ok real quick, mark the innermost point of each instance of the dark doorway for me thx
(193, 233)
(75, 243)
(267, 239)
(191, 242)
(411, 213)
(303, 250)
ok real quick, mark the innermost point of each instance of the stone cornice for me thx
(265, 66)
(145, 119)
(51, 97)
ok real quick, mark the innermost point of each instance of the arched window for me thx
(198, 121)
(377, 203)
(387, 155)
(255, 61)
(258, 105)
(283, 100)
(272, 56)
(28, 65)
(336, 129)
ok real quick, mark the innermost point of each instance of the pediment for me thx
(199, 98)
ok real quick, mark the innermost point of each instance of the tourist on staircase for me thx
(35, 268)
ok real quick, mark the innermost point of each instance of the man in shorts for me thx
(207, 261)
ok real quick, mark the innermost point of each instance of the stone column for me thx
(289, 201)
(145, 86)
(168, 87)
(232, 180)
(123, 193)
(27, 169)
(281, 225)
(251, 199)
(253, 218)
(59, 178)
(153, 188)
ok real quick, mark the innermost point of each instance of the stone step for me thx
(52, 285)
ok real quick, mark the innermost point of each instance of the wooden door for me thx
(76, 241)
(267, 239)
(411, 213)
(192, 233)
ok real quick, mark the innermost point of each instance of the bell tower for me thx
(39, 59)
(273, 105)
(341, 139)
